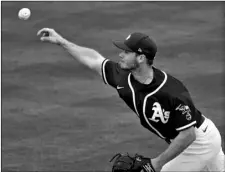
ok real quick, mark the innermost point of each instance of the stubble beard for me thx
(131, 67)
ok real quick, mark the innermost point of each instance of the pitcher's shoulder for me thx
(172, 85)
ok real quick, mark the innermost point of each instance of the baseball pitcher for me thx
(160, 101)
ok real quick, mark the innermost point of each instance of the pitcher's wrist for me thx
(62, 41)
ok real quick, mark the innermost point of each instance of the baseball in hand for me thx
(24, 14)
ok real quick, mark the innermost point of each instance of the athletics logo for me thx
(185, 110)
(159, 113)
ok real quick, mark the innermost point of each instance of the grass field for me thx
(59, 116)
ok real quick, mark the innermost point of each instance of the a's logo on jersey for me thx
(159, 113)
(128, 37)
(185, 110)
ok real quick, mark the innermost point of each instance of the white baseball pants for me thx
(204, 154)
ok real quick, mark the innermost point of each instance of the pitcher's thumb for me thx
(44, 39)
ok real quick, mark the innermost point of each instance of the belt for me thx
(202, 119)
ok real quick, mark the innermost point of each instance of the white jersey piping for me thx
(103, 72)
(144, 104)
(186, 126)
(133, 95)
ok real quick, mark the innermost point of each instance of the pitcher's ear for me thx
(141, 58)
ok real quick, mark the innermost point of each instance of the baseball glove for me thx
(127, 163)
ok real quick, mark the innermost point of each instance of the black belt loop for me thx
(167, 140)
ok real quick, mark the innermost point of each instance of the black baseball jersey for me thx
(164, 106)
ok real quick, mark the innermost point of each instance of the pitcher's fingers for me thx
(44, 39)
(43, 30)
(40, 31)
(45, 33)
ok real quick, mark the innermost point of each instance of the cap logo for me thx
(139, 50)
(128, 37)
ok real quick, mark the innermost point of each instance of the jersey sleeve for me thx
(111, 73)
(184, 113)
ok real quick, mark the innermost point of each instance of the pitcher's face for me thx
(128, 60)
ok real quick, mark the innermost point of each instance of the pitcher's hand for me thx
(157, 166)
(50, 35)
